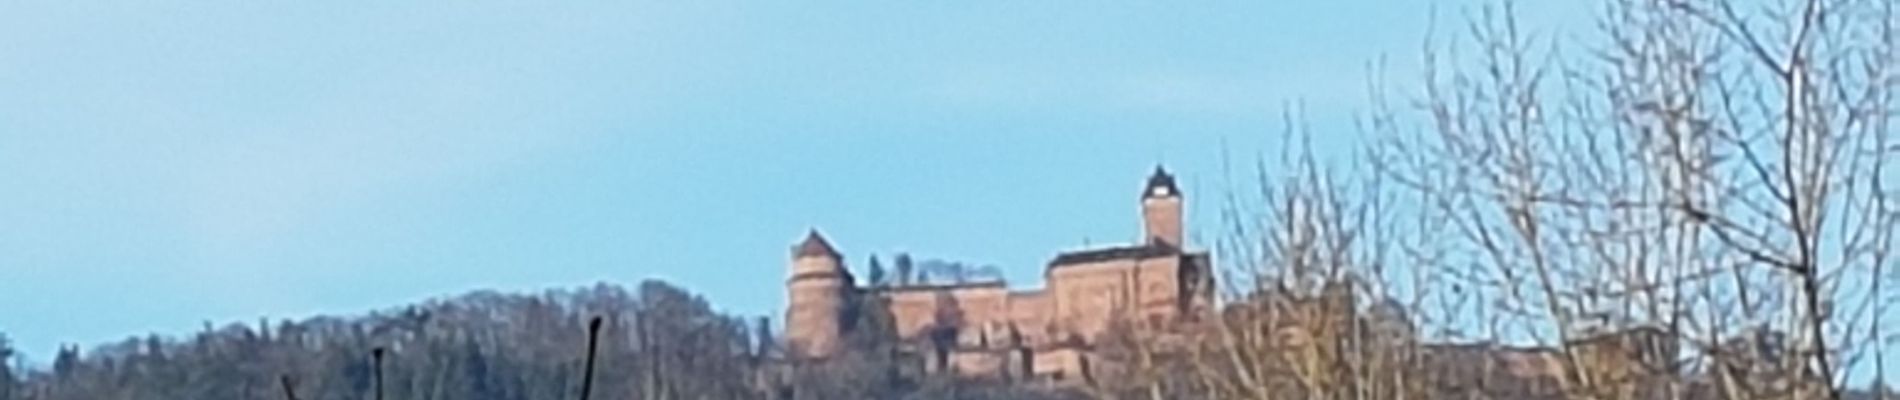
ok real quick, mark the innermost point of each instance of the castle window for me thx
(1027, 363)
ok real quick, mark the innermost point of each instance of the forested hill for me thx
(481, 345)
(657, 342)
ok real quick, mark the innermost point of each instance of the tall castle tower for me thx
(1161, 209)
(817, 292)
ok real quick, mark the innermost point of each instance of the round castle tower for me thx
(817, 293)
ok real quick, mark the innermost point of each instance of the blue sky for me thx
(170, 163)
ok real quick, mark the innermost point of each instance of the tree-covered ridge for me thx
(657, 341)
(484, 345)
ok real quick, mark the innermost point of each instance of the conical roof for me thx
(1160, 184)
(815, 245)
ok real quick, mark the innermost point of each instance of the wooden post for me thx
(593, 343)
(376, 355)
(289, 392)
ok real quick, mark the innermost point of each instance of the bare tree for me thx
(1306, 250)
(1703, 172)
(1697, 204)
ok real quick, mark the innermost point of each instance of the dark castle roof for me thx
(1160, 179)
(815, 246)
(929, 287)
(1150, 250)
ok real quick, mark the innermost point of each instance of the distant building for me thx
(1628, 363)
(987, 328)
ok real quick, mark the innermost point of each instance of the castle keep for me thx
(1152, 285)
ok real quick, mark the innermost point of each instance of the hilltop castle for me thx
(988, 328)
(1157, 291)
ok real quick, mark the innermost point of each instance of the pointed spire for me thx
(815, 245)
(1160, 184)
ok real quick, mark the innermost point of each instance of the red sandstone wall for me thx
(811, 321)
(1089, 296)
(815, 297)
(1158, 287)
(967, 307)
(978, 363)
(1063, 364)
(913, 310)
(1161, 218)
(1030, 312)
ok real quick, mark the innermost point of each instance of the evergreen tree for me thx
(66, 363)
(904, 269)
(876, 274)
(762, 333)
(9, 384)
